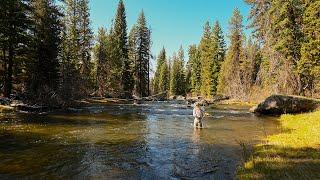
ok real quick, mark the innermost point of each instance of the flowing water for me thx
(155, 140)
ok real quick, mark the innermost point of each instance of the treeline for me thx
(122, 60)
(47, 47)
(49, 53)
(281, 55)
(199, 76)
(288, 34)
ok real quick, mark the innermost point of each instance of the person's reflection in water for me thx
(196, 136)
(196, 140)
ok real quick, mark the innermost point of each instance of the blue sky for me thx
(173, 22)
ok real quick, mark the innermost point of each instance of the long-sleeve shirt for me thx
(198, 112)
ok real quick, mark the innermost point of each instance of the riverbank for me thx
(292, 154)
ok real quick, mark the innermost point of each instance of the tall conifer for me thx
(44, 70)
(206, 52)
(195, 65)
(101, 56)
(309, 65)
(160, 61)
(218, 45)
(230, 80)
(14, 37)
(141, 69)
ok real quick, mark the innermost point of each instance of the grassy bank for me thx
(292, 154)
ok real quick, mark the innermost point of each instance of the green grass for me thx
(292, 154)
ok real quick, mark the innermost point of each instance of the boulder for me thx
(172, 97)
(282, 104)
(180, 98)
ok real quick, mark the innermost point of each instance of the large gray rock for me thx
(281, 104)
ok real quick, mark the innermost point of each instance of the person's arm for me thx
(204, 112)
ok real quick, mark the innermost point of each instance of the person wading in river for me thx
(198, 114)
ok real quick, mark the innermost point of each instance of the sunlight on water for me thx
(128, 141)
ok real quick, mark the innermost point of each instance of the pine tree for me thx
(309, 65)
(250, 65)
(121, 50)
(44, 70)
(70, 76)
(277, 25)
(229, 80)
(14, 37)
(85, 41)
(164, 78)
(132, 41)
(195, 65)
(174, 75)
(160, 61)
(141, 67)
(206, 52)
(260, 18)
(114, 86)
(100, 53)
(177, 76)
(70, 55)
(218, 45)
(181, 81)
(78, 35)
(187, 73)
(286, 29)
(72, 33)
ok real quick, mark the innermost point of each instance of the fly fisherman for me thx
(198, 114)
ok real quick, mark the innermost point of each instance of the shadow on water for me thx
(153, 140)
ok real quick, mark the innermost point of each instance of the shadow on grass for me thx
(273, 162)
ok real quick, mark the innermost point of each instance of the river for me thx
(155, 140)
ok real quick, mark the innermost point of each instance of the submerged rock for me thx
(282, 104)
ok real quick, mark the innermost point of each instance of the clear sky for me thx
(173, 22)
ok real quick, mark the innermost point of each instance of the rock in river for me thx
(282, 104)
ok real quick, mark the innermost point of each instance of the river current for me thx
(154, 140)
